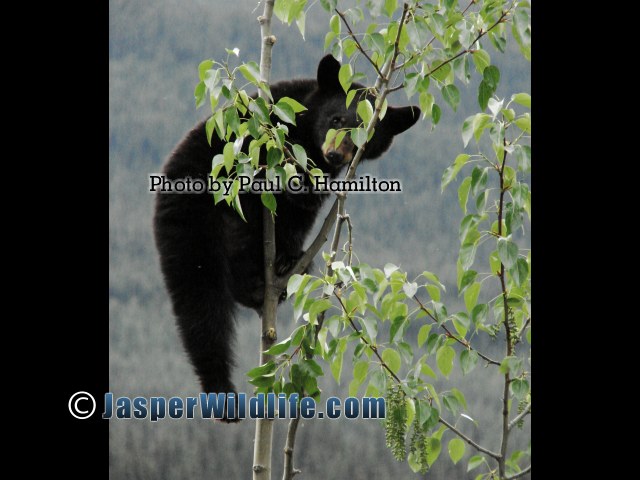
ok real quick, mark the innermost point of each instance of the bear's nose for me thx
(334, 157)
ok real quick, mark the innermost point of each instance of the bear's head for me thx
(328, 103)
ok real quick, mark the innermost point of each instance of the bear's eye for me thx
(336, 121)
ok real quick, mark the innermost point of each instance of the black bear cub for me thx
(211, 259)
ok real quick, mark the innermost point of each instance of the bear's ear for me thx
(399, 119)
(328, 74)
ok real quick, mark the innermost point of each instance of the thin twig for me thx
(462, 342)
(373, 348)
(520, 416)
(469, 49)
(505, 296)
(289, 470)
(349, 238)
(519, 474)
(355, 39)
(480, 448)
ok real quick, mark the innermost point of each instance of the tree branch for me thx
(373, 348)
(289, 470)
(469, 49)
(507, 326)
(519, 474)
(480, 448)
(464, 343)
(520, 416)
(360, 48)
(383, 80)
(263, 439)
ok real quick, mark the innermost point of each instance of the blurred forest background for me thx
(155, 47)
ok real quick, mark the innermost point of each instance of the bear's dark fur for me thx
(211, 259)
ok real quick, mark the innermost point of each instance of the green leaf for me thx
(294, 104)
(328, 5)
(350, 96)
(269, 201)
(440, 73)
(467, 254)
(389, 268)
(317, 307)
(433, 278)
(433, 450)
(261, 370)
(390, 7)
(461, 323)
(471, 296)
(209, 127)
(296, 283)
(444, 358)
(285, 113)
(335, 24)
(451, 172)
(467, 130)
(468, 360)
(451, 95)
(524, 123)
(301, 21)
(479, 314)
(426, 102)
(282, 9)
(475, 462)
(456, 450)
(523, 99)
(203, 67)
(484, 94)
(360, 370)
(227, 153)
(467, 279)
(519, 388)
(508, 252)
(365, 111)
(232, 120)
(300, 156)
(279, 348)
(494, 262)
(480, 122)
(491, 76)
(423, 333)
(358, 136)
(297, 335)
(434, 292)
(427, 370)
(199, 94)
(250, 71)
(376, 42)
(519, 271)
(463, 194)
(264, 380)
(336, 364)
(512, 365)
(370, 326)
(392, 359)
(344, 76)
(481, 59)
(396, 325)
(436, 113)
(274, 156)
